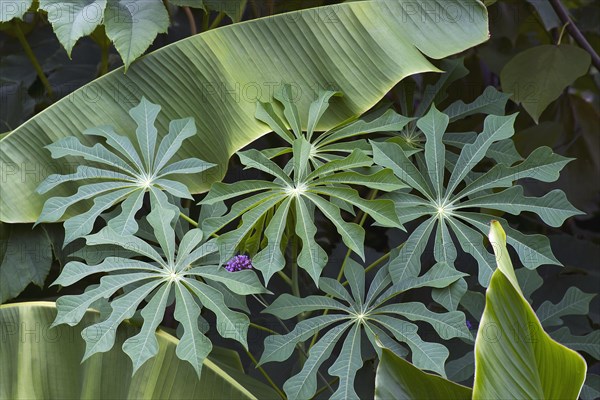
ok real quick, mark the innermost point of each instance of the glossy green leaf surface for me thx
(510, 335)
(217, 77)
(41, 361)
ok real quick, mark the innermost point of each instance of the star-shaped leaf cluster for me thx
(187, 273)
(453, 203)
(319, 175)
(120, 172)
(357, 312)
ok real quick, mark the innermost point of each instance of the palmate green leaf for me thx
(452, 213)
(503, 151)
(382, 211)
(229, 242)
(425, 355)
(434, 125)
(390, 155)
(132, 179)
(553, 208)
(384, 180)
(173, 269)
(542, 165)
(366, 310)
(144, 345)
(539, 368)
(287, 306)
(574, 302)
(491, 101)
(461, 369)
(123, 307)
(182, 79)
(347, 365)
(539, 75)
(353, 235)
(302, 192)
(439, 276)
(53, 367)
(303, 385)
(471, 242)
(281, 347)
(448, 325)
(242, 282)
(271, 259)
(495, 128)
(407, 263)
(388, 121)
(533, 250)
(449, 297)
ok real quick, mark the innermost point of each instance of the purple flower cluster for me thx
(238, 263)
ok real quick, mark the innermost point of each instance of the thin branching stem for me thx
(266, 375)
(574, 31)
(32, 58)
(263, 328)
(191, 20)
(188, 219)
(217, 21)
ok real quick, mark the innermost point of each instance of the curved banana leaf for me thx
(360, 48)
(400, 380)
(514, 357)
(41, 362)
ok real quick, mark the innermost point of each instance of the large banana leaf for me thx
(39, 362)
(514, 357)
(398, 379)
(360, 48)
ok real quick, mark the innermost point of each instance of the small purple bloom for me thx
(469, 325)
(239, 263)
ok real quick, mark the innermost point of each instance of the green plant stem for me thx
(33, 59)
(267, 377)
(263, 328)
(217, 21)
(561, 34)
(194, 223)
(286, 278)
(191, 21)
(104, 59)
(205, 20)
(188, 219)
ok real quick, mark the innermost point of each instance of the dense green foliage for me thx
(308, 185)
